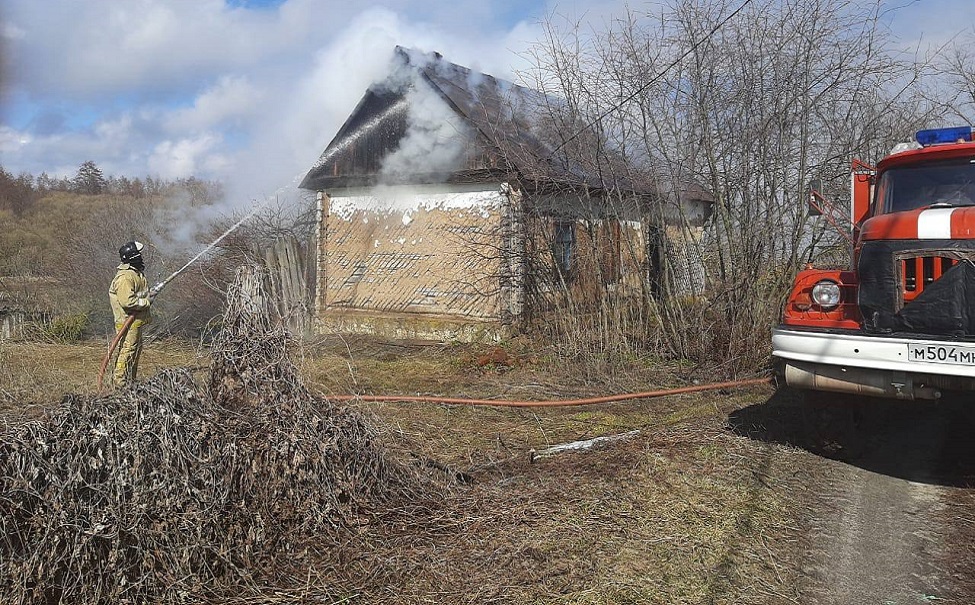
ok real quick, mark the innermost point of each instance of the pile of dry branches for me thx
(173, 491)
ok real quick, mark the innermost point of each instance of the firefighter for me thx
(129, 295)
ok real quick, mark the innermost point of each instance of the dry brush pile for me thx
(175, 491)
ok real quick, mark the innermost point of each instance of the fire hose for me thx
(556, 402)
(714, 386)
(155, 290)
(111, 348)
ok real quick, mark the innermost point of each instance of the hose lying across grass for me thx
(555, 402)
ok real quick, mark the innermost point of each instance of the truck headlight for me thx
(826, 294)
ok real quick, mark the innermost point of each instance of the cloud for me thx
(9, 31)
(250, 98)
(187, 157)
(147, 47)
(229, 100)
(13, 141)
(247, 97)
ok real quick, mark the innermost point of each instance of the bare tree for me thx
(748, 107)
(957, 66)
(17, 194)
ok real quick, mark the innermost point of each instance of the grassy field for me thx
(684, 512)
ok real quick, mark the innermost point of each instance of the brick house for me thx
(448, 211)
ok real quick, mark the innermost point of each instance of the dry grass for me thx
(35, 375)
(677, 518)
(685, 513)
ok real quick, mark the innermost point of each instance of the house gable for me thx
(381, 126)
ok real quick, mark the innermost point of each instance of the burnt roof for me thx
(513, 122)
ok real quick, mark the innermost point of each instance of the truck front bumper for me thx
(884, 366)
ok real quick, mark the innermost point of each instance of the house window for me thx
(563, 247)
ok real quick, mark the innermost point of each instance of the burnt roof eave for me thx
(534, 186)
(325, 183)
(539, 185)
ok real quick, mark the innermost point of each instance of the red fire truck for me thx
(901, 322)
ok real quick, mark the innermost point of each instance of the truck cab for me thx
(900, 322)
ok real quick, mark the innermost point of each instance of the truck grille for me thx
(920, 271)
(918, 286)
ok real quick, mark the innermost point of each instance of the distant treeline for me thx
(18, 194)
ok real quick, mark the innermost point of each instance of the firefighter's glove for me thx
(143, 299)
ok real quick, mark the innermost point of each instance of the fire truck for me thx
(900, 323)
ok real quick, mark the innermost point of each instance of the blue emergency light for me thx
(944, 135)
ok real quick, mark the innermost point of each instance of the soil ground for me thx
(745, 496)
(891, 519)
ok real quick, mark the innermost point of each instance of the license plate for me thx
(951, 354)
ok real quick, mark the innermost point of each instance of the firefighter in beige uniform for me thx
(129, 295)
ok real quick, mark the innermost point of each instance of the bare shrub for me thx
(175, 491)
(281, 236)
(58, 329)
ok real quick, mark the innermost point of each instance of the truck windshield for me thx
(947, 183)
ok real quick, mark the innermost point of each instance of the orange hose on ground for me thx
(111, 348)
(557, 402)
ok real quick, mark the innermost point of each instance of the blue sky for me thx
(249, 92)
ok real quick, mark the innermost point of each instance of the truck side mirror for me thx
(814, 197)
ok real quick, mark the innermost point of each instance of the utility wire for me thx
(676, 61)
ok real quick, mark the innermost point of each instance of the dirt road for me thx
(871, 543)
(890, 517)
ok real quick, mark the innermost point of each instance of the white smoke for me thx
(245, 98)
(436, 139)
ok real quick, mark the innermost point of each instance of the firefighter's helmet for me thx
(131, 253)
